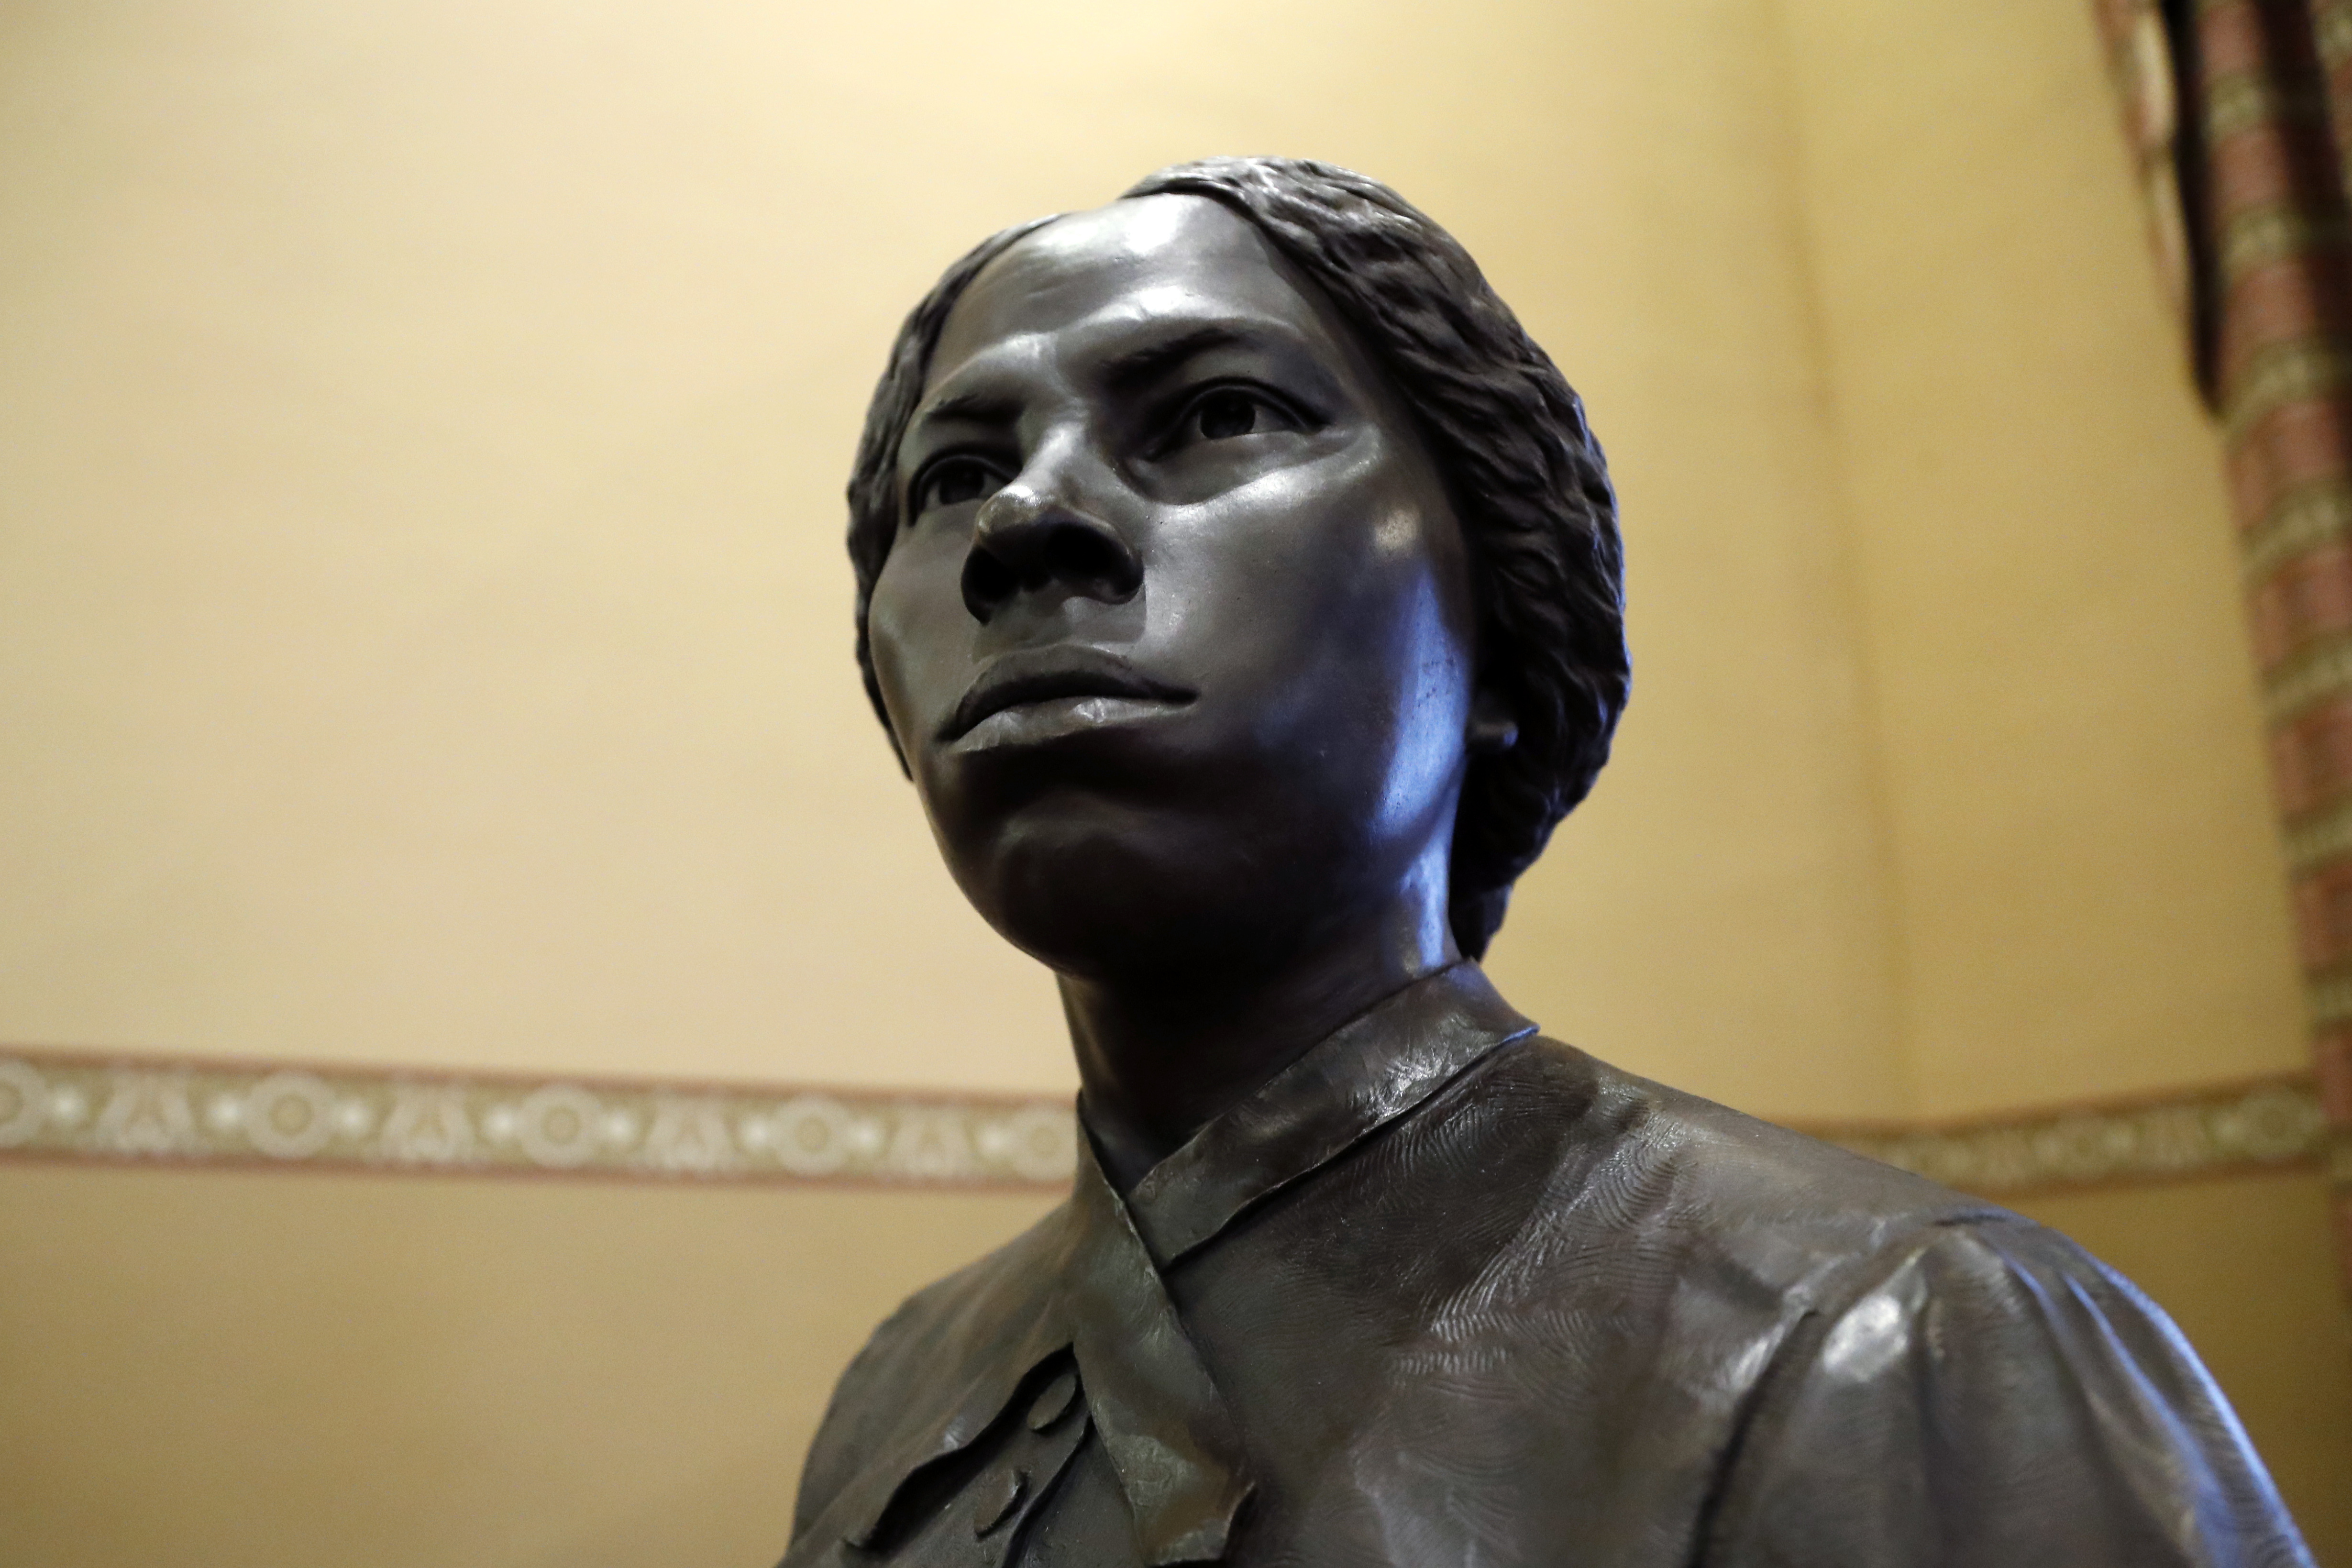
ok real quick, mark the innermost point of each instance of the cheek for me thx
(1357, 568)
(1402, 533)
(1428, 752)
(1347, 608)
(913, 623)
(1398, 598)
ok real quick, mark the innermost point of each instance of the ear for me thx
(1493, 728)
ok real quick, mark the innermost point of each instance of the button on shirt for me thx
(1446, 1292)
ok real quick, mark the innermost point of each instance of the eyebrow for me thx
(1143, 363)
(980, 406)
(1148, 360)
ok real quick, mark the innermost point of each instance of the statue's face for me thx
(1177, 635)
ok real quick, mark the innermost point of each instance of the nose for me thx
(1025, 543)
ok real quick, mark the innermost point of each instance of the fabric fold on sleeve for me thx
(1992, 1396)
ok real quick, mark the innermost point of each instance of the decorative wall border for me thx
(68, 1106)
(2211, 1130)
(156, 1110)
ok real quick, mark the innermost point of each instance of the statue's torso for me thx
(1549, 1314)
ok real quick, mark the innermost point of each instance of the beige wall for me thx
(320, 1372)
(2086, 887)
(422, 589)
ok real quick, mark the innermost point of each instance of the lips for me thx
(1046, 674)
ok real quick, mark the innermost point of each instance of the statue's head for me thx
(1229, 562)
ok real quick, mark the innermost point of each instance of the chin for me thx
(1097, 889)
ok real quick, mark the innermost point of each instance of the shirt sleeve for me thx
(1994, 1397)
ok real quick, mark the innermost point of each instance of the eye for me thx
(1229, 411)
(953, 481)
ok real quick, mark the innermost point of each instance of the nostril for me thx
(1075, 553)
(988, 582)
(1044, 550)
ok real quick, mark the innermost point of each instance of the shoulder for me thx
(1933, 1378)
(924, 1355)
(1989, 1393)
(1710, 1186)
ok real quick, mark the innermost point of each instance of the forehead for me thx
(1097, 282)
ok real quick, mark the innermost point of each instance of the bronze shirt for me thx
(1446, 1292)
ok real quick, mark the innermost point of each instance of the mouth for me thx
(1050, 674)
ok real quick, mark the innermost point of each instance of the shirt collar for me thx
(1355, 1081)
(1099, 1289)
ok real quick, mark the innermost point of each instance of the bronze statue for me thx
(1241, 588)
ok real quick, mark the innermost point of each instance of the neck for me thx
(1158, 1058)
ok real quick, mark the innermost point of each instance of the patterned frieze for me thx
(2198, 1132)
(56, 1105)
